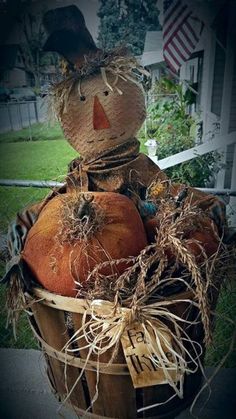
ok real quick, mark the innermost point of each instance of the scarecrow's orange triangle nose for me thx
(100, 120)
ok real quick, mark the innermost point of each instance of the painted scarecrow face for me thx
(98, 118)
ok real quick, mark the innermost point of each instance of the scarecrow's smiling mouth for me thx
(116, 136)
(103, 139)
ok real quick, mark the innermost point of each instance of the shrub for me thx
(175, 130)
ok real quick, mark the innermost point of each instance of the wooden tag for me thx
(138, 356)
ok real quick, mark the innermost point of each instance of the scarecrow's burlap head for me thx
(100, 103)
(100, 115)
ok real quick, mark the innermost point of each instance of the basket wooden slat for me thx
(79, 305)
(74, 305)
(51, 324)
(118, 387)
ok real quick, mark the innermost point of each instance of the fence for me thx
(217, 143)
(17, 115)
(24, 192)
(14, 199)
(18, 194)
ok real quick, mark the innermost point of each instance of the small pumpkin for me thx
(114, 231)
(197, 240)
(151, 226)
(200, 242)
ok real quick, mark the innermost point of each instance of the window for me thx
(193, 74)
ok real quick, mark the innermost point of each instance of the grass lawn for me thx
(25, 338)
(224, 329)
(47, 158)
(42, 160)
(34, 133)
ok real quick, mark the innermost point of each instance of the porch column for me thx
(230, 68)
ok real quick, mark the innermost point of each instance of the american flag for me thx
(181, 33)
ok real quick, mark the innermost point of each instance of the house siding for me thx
(232, 127)
(232, 120)
(218, 80)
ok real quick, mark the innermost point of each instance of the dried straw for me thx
(116, 62)
(15, 302)
(80, 219)
(152, 270)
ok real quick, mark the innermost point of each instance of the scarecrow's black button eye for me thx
(106, 93)
(82, 98)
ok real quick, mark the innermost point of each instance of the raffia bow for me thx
(104, 323)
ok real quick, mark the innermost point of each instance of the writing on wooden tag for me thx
(140, 355)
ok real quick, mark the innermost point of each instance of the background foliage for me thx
(175, 130)
(126, 22)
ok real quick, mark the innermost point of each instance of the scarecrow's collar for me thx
(115, 156)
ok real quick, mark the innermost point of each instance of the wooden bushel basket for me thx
(117, 397)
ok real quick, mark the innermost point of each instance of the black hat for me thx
(68, 34)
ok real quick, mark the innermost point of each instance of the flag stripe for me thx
(172, 64)
(177, 28)
(179, 51)
(174, 58)
(190, 35)
(168, 38)
(191, 30)
(171, 25)
(181, 32)
(183, 44)
(171, 11)
(186, 35)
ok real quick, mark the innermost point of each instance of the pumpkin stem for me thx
(85, 206)
(80, 219)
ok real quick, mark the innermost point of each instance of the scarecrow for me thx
(100, 105)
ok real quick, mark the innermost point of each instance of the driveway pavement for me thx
(25, 393)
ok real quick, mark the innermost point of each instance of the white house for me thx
(214, 66)
(212, 71)
(152, 56)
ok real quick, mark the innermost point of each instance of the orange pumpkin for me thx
(58, 265)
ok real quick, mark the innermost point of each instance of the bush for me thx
(175, 131)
